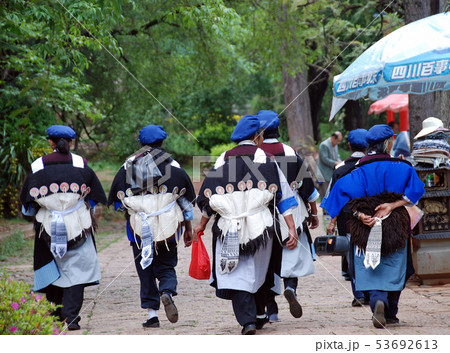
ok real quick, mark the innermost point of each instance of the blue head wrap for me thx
(268, 119)
(245, 128)
(379, 133)
(61, 131)
(151, 134)
(357, 138)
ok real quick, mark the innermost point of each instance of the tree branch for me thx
(150, 24)
(87, 132)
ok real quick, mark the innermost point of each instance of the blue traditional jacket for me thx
(375, 175)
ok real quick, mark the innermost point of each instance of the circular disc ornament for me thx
(83, 188)
(129, 192)
(163, 189)
(273, 188)
(74, 187)
(175, 190)
(64, 187)
(54, 188)
(34, 192)
(294, 185)
(229, 188)
(154, 190)
(88, 190)
(43, 190)
(262, 185)
(241, 185)
(183, 191)
(120, 195)
(207, 193)
(249, 184)
(220, 190)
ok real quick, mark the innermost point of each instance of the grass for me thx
(16, 246)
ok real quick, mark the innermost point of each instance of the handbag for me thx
(200, 266)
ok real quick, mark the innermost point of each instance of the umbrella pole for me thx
(404, 120)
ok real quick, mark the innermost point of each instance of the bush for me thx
(182, 147)
(23, 312)
(217, 150)
(18, 150)
(216, 133)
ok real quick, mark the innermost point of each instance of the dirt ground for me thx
(113, 307)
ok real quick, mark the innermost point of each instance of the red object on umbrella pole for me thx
(394, 103)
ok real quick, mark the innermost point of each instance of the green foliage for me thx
(19, 148)
(182, 147)
(23, 312)
(217, 150)
(217, 131)
(189, 66)
(45, 48)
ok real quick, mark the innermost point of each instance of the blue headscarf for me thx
(61, 131)
(268, 119)
(357, 138)
(379, 133)
(246, 128)
(151, 134)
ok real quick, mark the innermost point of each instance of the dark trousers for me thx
(390, 300)
(291, 283)
(247, 305)
(71, 299)
(162, 269)
(271, 305)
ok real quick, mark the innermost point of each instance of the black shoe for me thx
(249, 329)
(261, 322)
(358, 302)
(73, 326)
(153, 322)
(392, 321)
(378, 319)
(294, 306)
(169, 307)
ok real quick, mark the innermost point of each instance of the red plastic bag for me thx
(200, 267)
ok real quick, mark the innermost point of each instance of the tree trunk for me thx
(318, 79)
(442, 99)
(424, 105)
(442, 107)
(298, 110)
(295, 84)
(355, 115)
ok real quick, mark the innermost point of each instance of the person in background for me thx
(61, 193)
(157, 197)
(328, 159)
(402, 145)
(394, 126)
(380, 226)
(358, 146)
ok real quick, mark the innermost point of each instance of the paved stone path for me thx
(113, 307)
